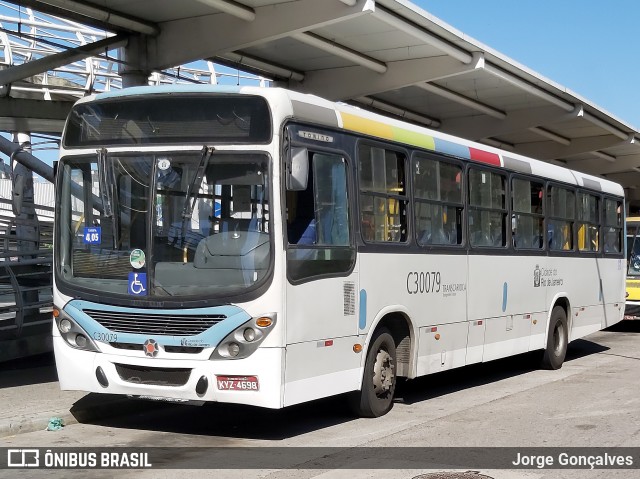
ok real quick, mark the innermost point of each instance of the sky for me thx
(587, 46)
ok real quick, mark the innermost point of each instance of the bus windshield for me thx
(189, 224)
(633, 248)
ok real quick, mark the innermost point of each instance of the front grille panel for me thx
(167, 349)
(155, 324)
(153, 376)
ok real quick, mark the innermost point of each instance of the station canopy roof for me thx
(386, 55)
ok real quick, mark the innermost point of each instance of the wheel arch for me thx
(396, 319)
(562, 300)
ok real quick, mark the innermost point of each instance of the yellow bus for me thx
(632, 309)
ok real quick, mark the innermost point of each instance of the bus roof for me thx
(338, 115)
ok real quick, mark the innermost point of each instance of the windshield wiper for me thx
(194, 186)
(192, 190)
(105, 183)
(106, 180)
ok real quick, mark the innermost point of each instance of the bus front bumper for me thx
(255, 380)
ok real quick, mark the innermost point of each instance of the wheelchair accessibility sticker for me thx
(138, 284)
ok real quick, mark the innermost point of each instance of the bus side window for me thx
(438, 206)
(318, 222)
(562, 207)
(383, 194)
(589, 222)
(487, 208)
(613, 226)
(527, 220)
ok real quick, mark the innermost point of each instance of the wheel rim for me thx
(383, 374)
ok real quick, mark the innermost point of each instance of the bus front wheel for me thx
(557, 340)
(375, 397)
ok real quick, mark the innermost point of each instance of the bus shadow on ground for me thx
(225, 423)
(624, 326)
(232, 421)
(27, 371)
(468, 377)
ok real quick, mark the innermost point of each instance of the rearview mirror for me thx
(297, 169)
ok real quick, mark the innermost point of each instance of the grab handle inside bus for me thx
(297, 168)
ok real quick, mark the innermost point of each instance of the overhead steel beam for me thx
(235, 59)
(553, 99)
(498, 144)
(606, 126)
(551, 135)
(341, 51)
(41, 116)
(51, 62)
(596, 166)
(397, 111)
(604, 156)
(478, 127)
(462, 100)
(528, 87)
(92, 14)
(351, 82)
(10, 149)
(628, 180)
(207, 36)
(233, 8)
(422, 34)
(554, 151)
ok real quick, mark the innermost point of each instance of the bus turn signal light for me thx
(357, 348)
(56, 312)
(264, 322)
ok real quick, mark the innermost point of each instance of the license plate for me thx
(238, 383)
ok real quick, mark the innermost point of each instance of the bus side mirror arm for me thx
(297, 168)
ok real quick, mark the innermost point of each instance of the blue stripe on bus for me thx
(505, 291)
(207, 339)
(363, 309)
(450, 148)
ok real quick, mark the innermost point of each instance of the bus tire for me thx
(557, 340)
(375, 397)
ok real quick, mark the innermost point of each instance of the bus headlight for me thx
(245, 339)
(73, 334)
(249, 335)
(64, 325)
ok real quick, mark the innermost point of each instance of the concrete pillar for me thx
(27, 225)
(135, 71)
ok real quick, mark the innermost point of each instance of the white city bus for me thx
(266, 247)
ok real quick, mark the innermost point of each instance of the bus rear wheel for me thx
(557, 340)
(375, 397)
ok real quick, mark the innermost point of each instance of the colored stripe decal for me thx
(453, 149)
(362, 324)
(368, 127)
(408, 137)
(516, 165)
(485, 157)
(414, 139)
(387, 132)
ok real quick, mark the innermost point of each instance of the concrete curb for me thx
(90, 408)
